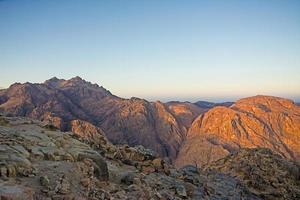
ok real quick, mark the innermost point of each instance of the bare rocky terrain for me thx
(125, 121)
(37, 161)
(181, 132)
(260, 121)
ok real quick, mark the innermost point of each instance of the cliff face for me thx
(260, 121)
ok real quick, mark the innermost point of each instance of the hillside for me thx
(132, 121)
(260, 121)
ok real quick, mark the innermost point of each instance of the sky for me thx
(158, 50)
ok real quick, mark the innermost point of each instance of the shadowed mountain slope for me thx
(208, 105)
(132, 121)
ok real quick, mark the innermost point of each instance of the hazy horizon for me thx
(193, 99)
(196, 50)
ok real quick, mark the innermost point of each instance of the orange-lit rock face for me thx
(86, 130)
(260, 121)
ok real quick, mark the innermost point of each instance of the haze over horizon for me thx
(199, 50)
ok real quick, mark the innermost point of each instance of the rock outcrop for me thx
(24, 142)
(264, 173)
(38, 162)
(90, 134)
(260, 121)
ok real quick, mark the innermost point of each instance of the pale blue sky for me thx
(181, 50)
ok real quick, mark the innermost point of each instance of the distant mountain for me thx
(131, 121)
(205, 104)
(208, 105)
(185, 112)
(260, 121)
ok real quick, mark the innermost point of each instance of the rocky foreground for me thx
(37, 161)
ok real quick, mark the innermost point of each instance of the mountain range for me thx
(182, 132)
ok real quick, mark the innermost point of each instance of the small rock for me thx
(132, 188)
(85, 182)
(3, 171)
(63, 187)
(148, 153)
(157, 163)
(100, 165)
(181, 191)
(44, 181)
(137, 181)
(69, 197)
(11, 171)
(128, 178)
(45, 190)
(15, 192)
(148, 169)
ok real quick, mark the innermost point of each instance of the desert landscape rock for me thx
(264, 173)
(185, 112)
(260, 121)
(181, 132)
(38, 163)
(125, 121)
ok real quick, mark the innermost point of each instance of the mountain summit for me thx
(259, 121)
(132, 121)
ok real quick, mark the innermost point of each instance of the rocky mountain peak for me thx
(259, 121)
(78, 81)
(54, 82)
(77, 78)
(268, 101)
(53, 79)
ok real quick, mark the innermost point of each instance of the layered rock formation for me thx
(39, 162)
(260, 121)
